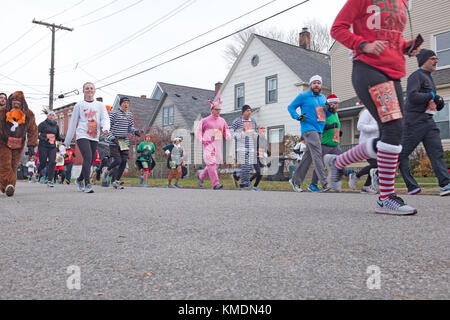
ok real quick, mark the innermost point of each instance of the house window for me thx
(443, 49)
(275, 137)
(442, 121)
(239, 93)
(272, 89)
(168, 115)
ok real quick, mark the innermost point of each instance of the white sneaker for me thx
(295, 187)
(116, 184)
(88, 189)
(334, 172)
(394, 205)
(368, 190)
(80, 185)
(445, 191)
(352, 180)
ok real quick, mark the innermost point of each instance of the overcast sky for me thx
(135, 30)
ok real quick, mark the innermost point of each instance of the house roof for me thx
(442, 77)
(189, 101)
(143, 109)
(231, 116)
(305, 63)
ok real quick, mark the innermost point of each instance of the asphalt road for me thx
(202, 244)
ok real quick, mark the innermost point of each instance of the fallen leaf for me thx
(146, 275)
(99, 294)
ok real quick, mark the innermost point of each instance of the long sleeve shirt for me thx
(88, 119)
(420, 91)
(48, 134)
(313, 107)
(211, 131)
(367, 126)
(122, 124)
(244, 132)
(369, 27)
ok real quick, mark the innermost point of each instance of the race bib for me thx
(337, 135)
(51, 138)
(261, 152)
(385, 98)
(218, 134)
(321, 114)
(432, 108)
(248, 126)
(14, 143)
(123, 145)
(92, 129)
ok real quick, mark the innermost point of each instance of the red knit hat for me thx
(333, 98)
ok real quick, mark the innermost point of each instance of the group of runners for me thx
(390, 127)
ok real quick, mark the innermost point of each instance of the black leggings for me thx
(119, 162)
(257, 175)
(87, 149)
(366, 170)
(47, 156)
(365, 77)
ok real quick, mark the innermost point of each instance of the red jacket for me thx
(368, 27)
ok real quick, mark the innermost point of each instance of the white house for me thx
(268, 75)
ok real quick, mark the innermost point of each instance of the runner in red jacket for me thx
(378, 47)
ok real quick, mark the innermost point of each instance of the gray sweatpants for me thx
(312, 155)
(326, 150)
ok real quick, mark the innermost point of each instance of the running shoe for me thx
(177, 186)
(352, 180)
(326, 187)
(88, 188)
(104, 175)
(218, 187)
(116, 185)
(145, 185)
(295, 187)
(445, 191)
(9, 191)
(335, 173)
(314, 188)
(374, 176)
(394, 205)
(414, 192)
(51, 184)
(256, 189)
(169, 186)
(368, 190)
(80, 185)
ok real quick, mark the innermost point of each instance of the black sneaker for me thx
(88, 188)
(218, 187)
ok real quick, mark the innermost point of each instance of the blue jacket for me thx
(312, 106)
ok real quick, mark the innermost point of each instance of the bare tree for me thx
(320, 38)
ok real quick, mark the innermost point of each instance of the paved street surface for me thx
(202, 244)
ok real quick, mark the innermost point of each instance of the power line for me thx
(204, 46)
(137, 34)
(92, 12)
(22, 84)
(110, 15)
(188, 41)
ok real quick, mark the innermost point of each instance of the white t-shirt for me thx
(91, 118)
(31, 166)
(60, 158)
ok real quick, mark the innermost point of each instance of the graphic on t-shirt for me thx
(123, 145)
(218, 134)
(51, 138)
(92, 129)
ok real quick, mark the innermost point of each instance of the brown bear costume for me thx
(17, 124)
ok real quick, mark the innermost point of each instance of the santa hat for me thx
(333, 98)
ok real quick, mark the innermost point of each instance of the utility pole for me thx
(53, 28)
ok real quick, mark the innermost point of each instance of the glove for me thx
(137, 133)
(335, 125)
(167, 153)
(301, 118)
(440, 103)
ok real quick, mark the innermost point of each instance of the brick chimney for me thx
(218, 86)
(304, 39)
(143, 96)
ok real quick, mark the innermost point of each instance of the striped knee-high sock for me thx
(171, 174)
(359, 153)
(179, 173)
(387, 160)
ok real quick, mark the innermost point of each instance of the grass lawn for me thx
(425, 183)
